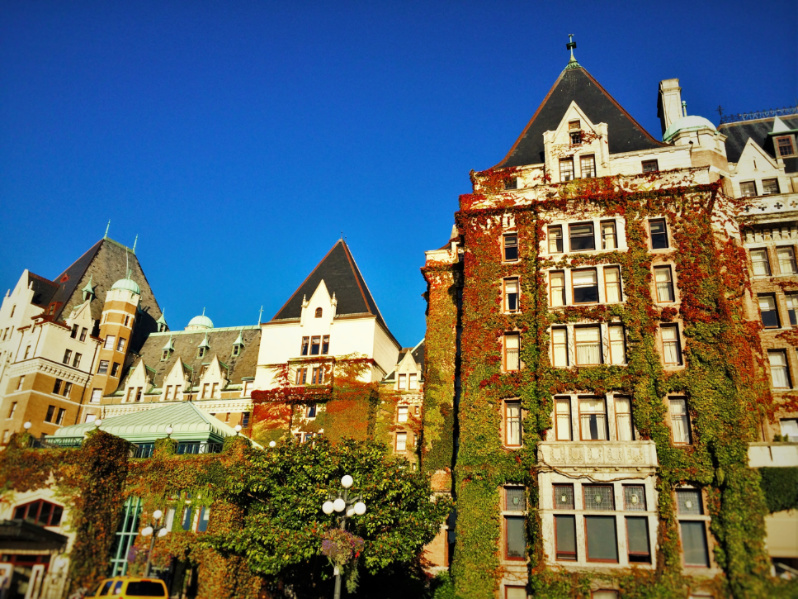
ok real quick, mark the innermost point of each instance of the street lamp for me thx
(155, 529)
(346, 507)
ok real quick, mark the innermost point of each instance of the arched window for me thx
(318, 312)
(39, 512)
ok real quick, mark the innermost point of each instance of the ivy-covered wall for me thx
(722, 378)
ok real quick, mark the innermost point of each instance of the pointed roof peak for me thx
(343, 280)
(576, 84)
(571, 45)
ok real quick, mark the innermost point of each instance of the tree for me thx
(281, 490)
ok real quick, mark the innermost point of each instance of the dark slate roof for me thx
(737, 134)
(576, 84)
(342, 277)
(43, 289)
(185, 347)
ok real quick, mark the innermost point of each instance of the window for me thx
(792, 305)
(588, 345)
(57, 386)
(565, 538)
(60, 418)
(592, 419)
(585, 286)
(786, 258)
(581, 237)
(664, 282)
(96, 395)
(237, 350)
(305, 345)
(760, 262)
(315, 346)
(575, 133)
(310, 412)
(67, 356)
(557, 286)
(512, 351)
(67, 389)
(587, 166)
(120, 345)
(634, 498)
(567, 166)
(612, 284)
(39, 512)
(318, 313)
(511, 294)
(301, 376)
(115, 369)
(83, 333)
(201, 351)
(50, 414)
(617, 345)
(779, 371)
(604, 594)
(514, 592)
(602, 538)
(188, 518)
(623, 419)
(412, 381)
(748, 189)
(599, 497)
(650, 166)
(680, 421)
(559, 347)
(139, 392)
(555, 239)
(27, 352)
(74, 332)
(510, 247)
(109, 342)
(12, 410)
(787, 426)
(671, 347)
(659, 234)
(692, 526)
(325, 344)
(245, 420)
(562, 420)
(512, 423)
(637, 540)
(770, 187)
(202, 521)
(215, 390)
(76, 361)
(609, 236)
(402, 382)
(401, 441)
(770, 315)
(401, 414)
(563, 496)
(784, 146)
(317, 377)
(514, 522)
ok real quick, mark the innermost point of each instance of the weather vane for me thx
(571, 45)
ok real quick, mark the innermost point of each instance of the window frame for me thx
(616, 399)
(608, 225)
(567, 169)
(400, 441)
(698, 521)
(647, 164)
(671, 288)
(684, 417)
(566, 417)
(748, 189)
(583, 288)
(577, 344)
(656, 245)
(572, 236)
(558, 290)
(789, 260)
(509, 514)
(590, 160)
(763, 252)
(555, 345)
(600, 415)
(508, 282)
(513, 423)
(558, 553)
(510, 246)
(772, 313)
(785, 366)
(554, 233)
(676, 343)
(506, 349)
(771, 187)
(614, 520)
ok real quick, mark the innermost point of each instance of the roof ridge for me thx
(307, 278)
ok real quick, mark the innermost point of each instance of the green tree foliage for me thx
(281, 491)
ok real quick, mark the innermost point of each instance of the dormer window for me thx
(237, 348)
(165, 355)
(201, 351)
(318, 312)
(785, 146)
(575, 132)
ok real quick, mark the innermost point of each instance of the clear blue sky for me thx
(239, 139)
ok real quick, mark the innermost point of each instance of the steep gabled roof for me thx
(738, 133)
(342, 278)
(576, 84)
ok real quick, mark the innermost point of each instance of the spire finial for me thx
(135, 241)
(684, 107)
(260, 314)
(571, 45)
(203, 310)
(108, 226)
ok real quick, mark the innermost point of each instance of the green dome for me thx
(200, 322)
(127, 285)
(687, 123)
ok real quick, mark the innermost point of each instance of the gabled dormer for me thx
(757, 173)
(80, 321)
(408, 373)
(578, 148)
(168, 349)
(204, 347)
(138, 383)
(176, 382)
(213, 380)
(238, 345)
(319, 311)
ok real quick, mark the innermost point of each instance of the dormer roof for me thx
(575, 84)
(761, 131)
(343, 279)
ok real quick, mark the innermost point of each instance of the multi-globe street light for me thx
(154, 529)
(346, 507)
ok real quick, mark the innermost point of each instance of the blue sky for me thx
(239, 140)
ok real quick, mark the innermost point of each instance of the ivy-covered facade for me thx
(594, 366)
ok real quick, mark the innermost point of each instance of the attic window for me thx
(785, 146)
(165, 355)
(237, 349)
(650, 166)
(201, 351)
(575, 132)
(511, 183)
(318, 312)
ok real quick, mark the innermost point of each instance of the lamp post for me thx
(346, 507)
(155, 529)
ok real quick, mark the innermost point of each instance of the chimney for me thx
(669, 106)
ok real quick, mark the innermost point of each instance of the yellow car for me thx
(125, 587)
